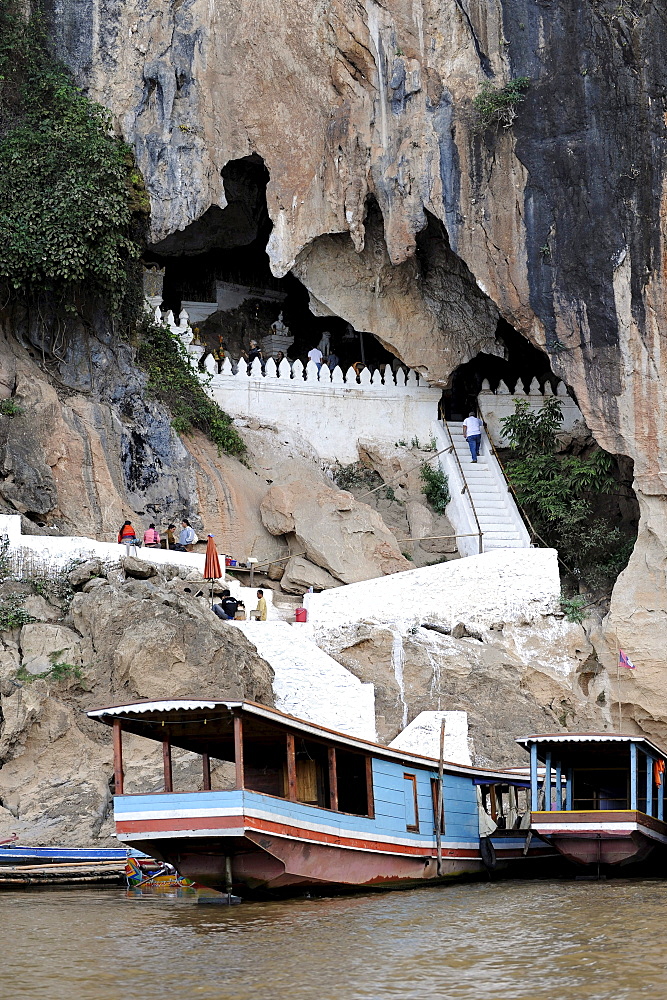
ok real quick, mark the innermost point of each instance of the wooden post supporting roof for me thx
(649, 785)
(547, 781)
(533, 777)
(333, 779)
(166, 762)
(117, 757)
(661, 796)
(633, 775)
(238, 750)
(569, 794)
(369, 787)
(291, 768)
(206, 769)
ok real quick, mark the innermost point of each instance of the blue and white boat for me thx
(282, 804)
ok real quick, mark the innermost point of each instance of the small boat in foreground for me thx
(602, 798)
(300, 806)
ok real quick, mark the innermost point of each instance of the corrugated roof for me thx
(590, 738)
(156, 706)
(275, 715)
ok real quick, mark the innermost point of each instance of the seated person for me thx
(151, 537)
(127, 535)
(226, 609)
(186, 538)
(170, 541)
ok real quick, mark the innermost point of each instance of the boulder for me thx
(137, 568)
(97, 581)
(40, 609)
(300, 574)
(85, 572)
(336, 532)
(276, 571)
(43, 644)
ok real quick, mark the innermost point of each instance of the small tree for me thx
(563, 494)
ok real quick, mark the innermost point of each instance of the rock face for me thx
(133, 640)
(557, 220)
(345, 538)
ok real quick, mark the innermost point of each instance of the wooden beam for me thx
(117, 757)
(291, 768)
(166, 762)
(649, 786)
(369, 787)
(333, 779)
(547, 781)
(633, 775)
(238, 750)
(494, 806)
(559, 786)
(206, 769)
(533, 778)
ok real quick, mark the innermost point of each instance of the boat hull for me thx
(620, 837)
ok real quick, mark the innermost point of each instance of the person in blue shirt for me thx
(187, 537)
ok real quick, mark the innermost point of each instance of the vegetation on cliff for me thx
(173, 381)
(69, 192)
(564, 495)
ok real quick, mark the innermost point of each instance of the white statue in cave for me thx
(279, 328)
(325, 343)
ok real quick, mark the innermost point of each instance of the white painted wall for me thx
(423, 736)
(43, 555)
(505, 585)
(330, 410)
(309, 683)
(494, 406)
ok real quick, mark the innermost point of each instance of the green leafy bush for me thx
(12, 615)
(173, 381)
(435, 487)
(574, 608)
(10, 408)
(66, 183)
(497, 105)
(56, 672)
(562, 494)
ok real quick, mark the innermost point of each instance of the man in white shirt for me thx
(472, 432)
(315, 354)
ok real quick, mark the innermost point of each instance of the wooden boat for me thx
(306, 806)
(601, 800)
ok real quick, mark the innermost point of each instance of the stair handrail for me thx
(466, 487)
(510, 489)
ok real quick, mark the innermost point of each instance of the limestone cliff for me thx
(555, 223)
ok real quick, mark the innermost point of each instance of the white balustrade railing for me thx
(331, 410)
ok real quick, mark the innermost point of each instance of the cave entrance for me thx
(521, 364)
(217, 269)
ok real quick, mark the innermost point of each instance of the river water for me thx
(509, 940)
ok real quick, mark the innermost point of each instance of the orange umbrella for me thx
(212, 569)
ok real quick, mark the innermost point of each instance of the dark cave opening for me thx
(221, 260)
(522, 362)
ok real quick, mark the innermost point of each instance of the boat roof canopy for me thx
(574, 746)
(207, 726)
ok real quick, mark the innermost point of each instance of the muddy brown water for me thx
(511, 940)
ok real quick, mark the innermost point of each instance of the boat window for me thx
(601, 788)
(411, 803)
(264, 757)
(312, 772)
(351, 778)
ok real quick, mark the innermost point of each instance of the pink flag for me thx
(625, 661)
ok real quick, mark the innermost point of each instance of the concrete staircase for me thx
(497, 513)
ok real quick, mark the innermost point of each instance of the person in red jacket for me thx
(127, 535)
